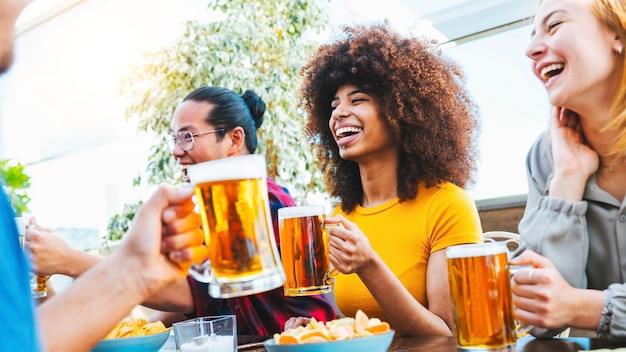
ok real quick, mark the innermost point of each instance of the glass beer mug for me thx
(231, 195)
(304, 250)
(480, 286)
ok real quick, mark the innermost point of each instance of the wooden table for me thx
(448, 344)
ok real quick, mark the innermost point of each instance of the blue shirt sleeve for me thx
(18, 330)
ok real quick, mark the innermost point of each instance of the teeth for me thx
(547, 72)
(184, 170)
(341, 132)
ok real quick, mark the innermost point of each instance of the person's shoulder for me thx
(279, 193)
(445, 188)
(541, 143)
(337, 210)
(444, 195)
(541, 149)
(539, 158)
(274, 187)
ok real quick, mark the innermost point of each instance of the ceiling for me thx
(457, 19)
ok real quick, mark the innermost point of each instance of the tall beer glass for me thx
(231, 195)
(480, 286)
(304, 250)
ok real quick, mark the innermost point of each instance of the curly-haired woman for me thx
(395, 132)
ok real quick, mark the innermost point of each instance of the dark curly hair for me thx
(422, 98)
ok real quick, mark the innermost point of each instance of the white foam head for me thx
(476, 250)
(232, 168)
(300, 211)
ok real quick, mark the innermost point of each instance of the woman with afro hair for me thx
(395, 133)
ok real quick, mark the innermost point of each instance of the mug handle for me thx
(330, 275)
(520, 329)
(202, 272)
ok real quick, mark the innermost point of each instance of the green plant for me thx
(15, 183)
(118, 224)
(258, 45)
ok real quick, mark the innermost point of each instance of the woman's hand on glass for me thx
(349, 248)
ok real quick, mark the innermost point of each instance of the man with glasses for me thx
(213, 123)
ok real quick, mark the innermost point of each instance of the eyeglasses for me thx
(184, 139)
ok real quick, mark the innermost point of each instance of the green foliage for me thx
(258, 45)
(118, 224)
(15, 183)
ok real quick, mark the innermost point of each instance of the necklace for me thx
(612, 166)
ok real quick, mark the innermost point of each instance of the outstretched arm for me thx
(49, 254)
(164, 240)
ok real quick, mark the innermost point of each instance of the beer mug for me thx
(232, 199)
(480, 287)
(304, 250)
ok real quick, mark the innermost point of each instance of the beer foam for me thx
(476, 249)
(300, 211)
(232, 168)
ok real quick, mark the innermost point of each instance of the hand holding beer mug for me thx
(38, 283)
(231, 194)
(480, 287)
(304, 250)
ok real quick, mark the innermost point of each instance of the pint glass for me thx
(304, 250)
(232, 198)
(480, 286)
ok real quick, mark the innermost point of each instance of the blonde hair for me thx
(613, 14)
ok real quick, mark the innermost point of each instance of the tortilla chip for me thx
(135, 327)
(338, 329)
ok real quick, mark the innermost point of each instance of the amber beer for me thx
(481, 294)
(39, 285)
(232, 198)
(304, 250)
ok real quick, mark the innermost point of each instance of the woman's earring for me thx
(619, 49)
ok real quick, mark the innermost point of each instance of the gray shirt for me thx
(586, 240)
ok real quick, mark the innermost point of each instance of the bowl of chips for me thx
(340, 335)
(134, 335)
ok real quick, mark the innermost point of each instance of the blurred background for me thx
(61, 117)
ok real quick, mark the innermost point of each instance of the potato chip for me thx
(375, 326)
(360, 322)
(338, 329)
(135, 327)
(285, 339)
